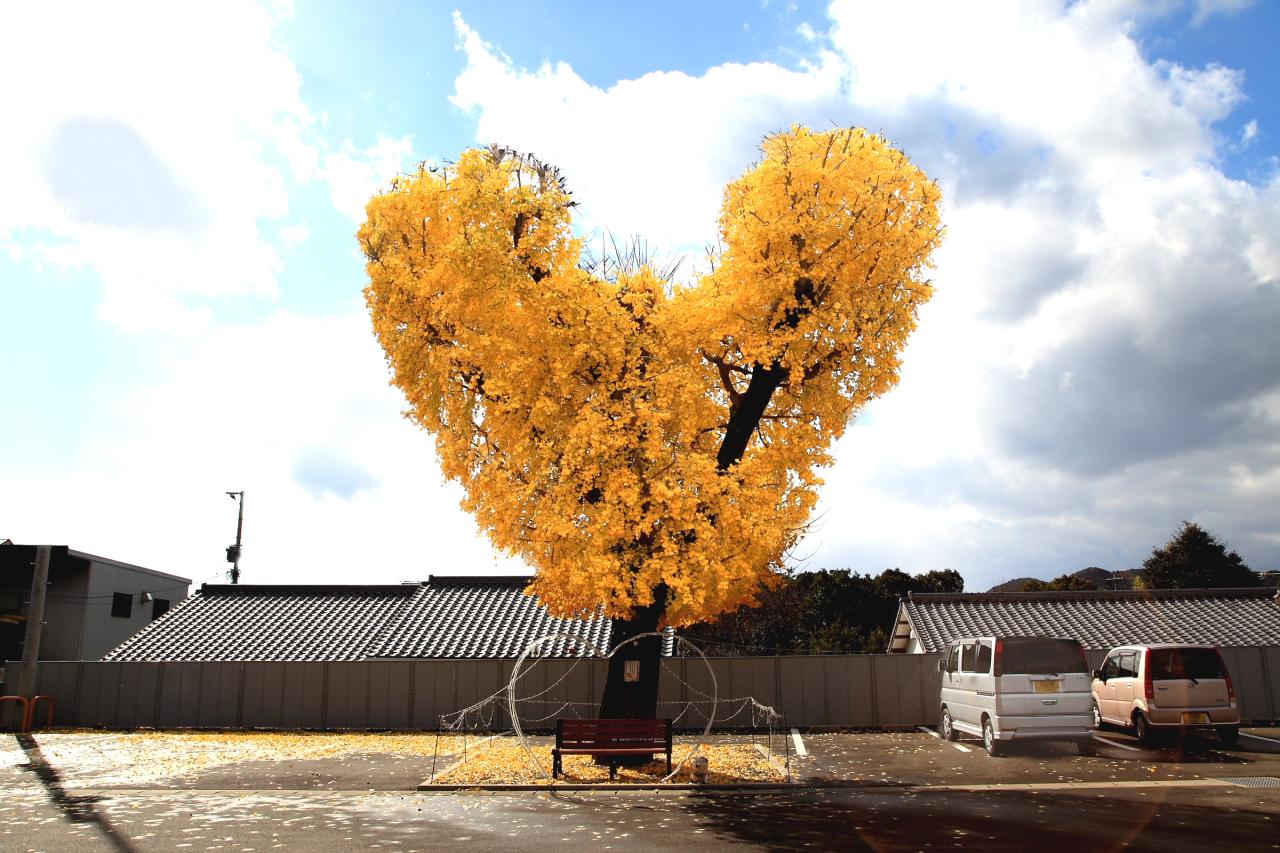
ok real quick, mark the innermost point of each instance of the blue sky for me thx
(180, 309)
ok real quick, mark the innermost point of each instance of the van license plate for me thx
(1195, 719)
(1053, 686)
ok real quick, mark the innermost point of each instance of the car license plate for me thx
(1054, 686)
(1195, 719)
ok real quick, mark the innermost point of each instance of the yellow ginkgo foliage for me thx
(625, 434)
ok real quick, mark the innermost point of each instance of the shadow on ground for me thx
(834, 821)
(75, 809)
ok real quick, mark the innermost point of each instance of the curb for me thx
(760, 787)
(676, 786)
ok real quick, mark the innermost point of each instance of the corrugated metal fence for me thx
(828, 691)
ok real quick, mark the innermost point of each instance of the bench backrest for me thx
(613, 733)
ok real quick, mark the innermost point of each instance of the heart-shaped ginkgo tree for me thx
(650, 447)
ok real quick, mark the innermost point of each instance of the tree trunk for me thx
(636, 698)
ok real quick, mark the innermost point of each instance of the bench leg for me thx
(613, 770)
(556, 769)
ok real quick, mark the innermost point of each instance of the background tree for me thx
(1062, 583)
(1195, 558)
(649, 447)
(827, 611)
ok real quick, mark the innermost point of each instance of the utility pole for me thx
(35, 623)
(233, 552)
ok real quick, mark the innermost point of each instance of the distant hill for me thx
(1015, 585)
(1099, 578)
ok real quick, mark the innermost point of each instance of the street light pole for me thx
(233, 552)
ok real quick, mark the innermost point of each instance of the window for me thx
(1111, 668)
(122, 605)
(977, 657)
(1185, 663)
(1128, 665)
(984, 657)
(1041, 656)
(953, 660)
(159, 607)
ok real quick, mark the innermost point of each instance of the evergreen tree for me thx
(1195, 558)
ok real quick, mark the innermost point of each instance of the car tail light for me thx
(999, 662)
(1148, 683)
(1226, 676)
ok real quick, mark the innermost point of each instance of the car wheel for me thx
(989, 742)
(1097, 716)
(1142, 728)
(1228, 734)
(948, 728)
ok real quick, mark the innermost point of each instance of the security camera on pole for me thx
(233, 551)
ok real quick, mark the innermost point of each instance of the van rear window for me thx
(1185, 663)
(1041, 656)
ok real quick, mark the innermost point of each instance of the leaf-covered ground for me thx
(504, 761)
(91, 758)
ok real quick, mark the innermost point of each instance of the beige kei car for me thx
(1166, 687)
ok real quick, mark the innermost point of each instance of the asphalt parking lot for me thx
(859, 791)
(919, 758)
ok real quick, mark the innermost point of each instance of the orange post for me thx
(31, 712)
(26, 710)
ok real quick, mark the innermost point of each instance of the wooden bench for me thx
(612, 738)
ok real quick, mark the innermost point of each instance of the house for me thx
(1099, 619)
(92, 604)
(441, 618)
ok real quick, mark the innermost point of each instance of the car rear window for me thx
(1185, 663)
(1040, 656)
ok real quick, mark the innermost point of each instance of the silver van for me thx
(1166, 687)
(1005, 689)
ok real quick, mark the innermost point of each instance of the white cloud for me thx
(1249, 133)
(648, 156)
(294, 235)
(149, 144)
(183, 98)
(247, 407)
(355, 175)
(1206, 9)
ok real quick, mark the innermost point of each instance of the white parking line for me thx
(961, 747)
(1260, 737)
(799, 744)
(929, 731)
(1120, 745)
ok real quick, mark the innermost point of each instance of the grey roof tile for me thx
(1101, 619)
(482, 618)
(447, 617)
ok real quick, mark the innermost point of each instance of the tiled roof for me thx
(252, 622)
(1099, 619)
(447, 617)
(481, 618)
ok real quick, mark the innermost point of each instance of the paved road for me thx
(1045, 797)
(1163, 819)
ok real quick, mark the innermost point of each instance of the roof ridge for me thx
(1118, 594)
(479, 580)
(406, 589)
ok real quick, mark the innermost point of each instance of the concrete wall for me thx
(892, 691)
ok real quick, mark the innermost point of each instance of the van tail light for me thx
(999, 662)
(1148, 683)
(1084, 656)
(1226, 676)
